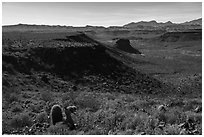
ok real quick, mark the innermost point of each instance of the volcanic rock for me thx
(124, 44)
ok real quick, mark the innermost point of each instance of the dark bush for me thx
(17, 108)
(13, 97)
(88, 100)
(42, 117)
(46, 96)
(21, 120)
(36, 108)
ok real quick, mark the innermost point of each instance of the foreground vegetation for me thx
(98, 112)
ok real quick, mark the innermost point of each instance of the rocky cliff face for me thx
(124, 45)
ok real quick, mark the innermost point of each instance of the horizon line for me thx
(61, 25)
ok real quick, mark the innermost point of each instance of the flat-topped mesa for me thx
(79, 37)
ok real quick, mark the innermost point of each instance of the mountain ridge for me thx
(154, 23)
(192, 22)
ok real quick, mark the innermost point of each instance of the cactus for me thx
(56, 114)
(69, 121)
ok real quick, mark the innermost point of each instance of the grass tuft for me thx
(21, 120)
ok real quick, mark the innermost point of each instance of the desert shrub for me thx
(47, 107)
(68, 98)
(199, 128)
(67, 103)
(31, 114)
(5, 82)
(119, 117)
(10, 94)
(158, 131)
(13, 97)
(21, 120)
(109, 122)
(196, 117)
(106, 120)
(111, 104)
(146, 103)
(134, 122)
(189, 105)
(171, 116)
(133, 106)
(175, 115)
(99, 122)
(36, 108)
(172, 129)
(96, 131)
(127, 98)
(175, 103)
(150, 124)
(6, 128)
(85, 120)
(45, 78)
(116, 104)
(17, 108)
(109, 96)
(8, 67)
(88, 100)
(7, 42)
(141, 104)
(46, 96)
(42, 117)
(58, 129)
(160, 116)
(26, 95)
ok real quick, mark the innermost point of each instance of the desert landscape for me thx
(142, 78)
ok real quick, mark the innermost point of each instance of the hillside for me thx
(181, 36)
(116, 93)
(85, 56)
(193, 22)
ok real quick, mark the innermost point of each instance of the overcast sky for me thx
(98, 14)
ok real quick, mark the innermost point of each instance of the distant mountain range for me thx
(146, 23)
(142, 25)
(156, 24)
(193, 22)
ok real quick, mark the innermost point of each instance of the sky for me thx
(97, 13)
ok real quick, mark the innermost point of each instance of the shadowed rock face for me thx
(81, 37)
(124, 44)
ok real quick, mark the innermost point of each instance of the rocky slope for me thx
(76, 60)
(181, 36)
(193, 22)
